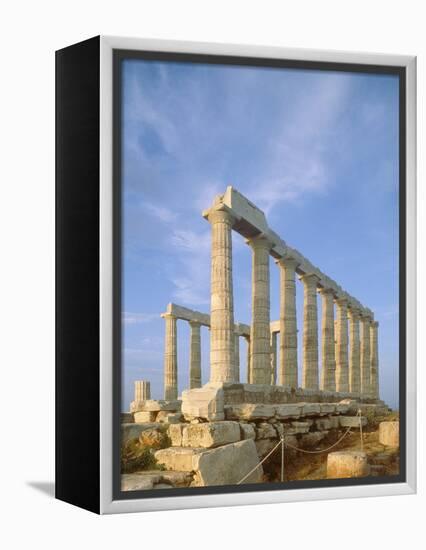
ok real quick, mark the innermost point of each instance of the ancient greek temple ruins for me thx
(349, 339)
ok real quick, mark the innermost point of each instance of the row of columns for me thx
(347, 366)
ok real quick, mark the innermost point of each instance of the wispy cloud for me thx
(138, 318)
(160, 212)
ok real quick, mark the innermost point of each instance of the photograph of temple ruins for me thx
(260, 278)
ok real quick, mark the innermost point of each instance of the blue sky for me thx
(316, 150)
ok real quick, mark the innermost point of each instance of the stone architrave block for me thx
(346, 464)
(206, 402)
(352, 421)
(389, 434)
(134, 430)
(227, 465)
(210, 434)
(289, 410)
(144, 416)
(250, 411)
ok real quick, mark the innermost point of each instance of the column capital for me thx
(341, 301)
(260, 241)
(374, 324)
(220, 213)
(310, 278)
(168, 315)
(327, 291)
(354, 313)
(287, 262)
(194, 323)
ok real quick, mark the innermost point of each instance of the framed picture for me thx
(235, 275)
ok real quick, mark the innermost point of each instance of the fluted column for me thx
(365, 355)
(310, 332)
(273, 358)
(342, 364)
(247, 339)
(222, 341)
(260, 353)
(195, 355)
(354, 349)
(237, 358)
(328, 370)
(288, 323)
(170, 358)
(142, 390)
(374, 360)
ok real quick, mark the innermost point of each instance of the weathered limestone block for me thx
(175, 433)
(289, 410)
(227, 465)
(144, 416)
(345, 464)
(178, 458)
(342, 408)
(210, 434)
(154, 405)
(389, 434)
(127, 418)
(265, 431)
(327, 408)
(247, 431)
(155, 480)
(352, 421)
(134, 430)
(170, 418)
(311, 439)
(310, 409)
(206, 402)
(247, 411)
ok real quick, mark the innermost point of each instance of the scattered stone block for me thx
(169, 417)
(265, 431)
(154, 480)
(389, 434)
(227, 465)
(178, 458)
(249, 411)
(144, 416)
(175, 433)
(210, 434)
(127, 418)
(206, 402)
(134, 430)
(247, 431)
(352, 421)
(345, 464)
(289, 410)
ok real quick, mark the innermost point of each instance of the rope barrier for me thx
(284, 443)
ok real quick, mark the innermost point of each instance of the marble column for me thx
(170, 358)
(288, 323)
(328, 370)
(260, 353)
(374, 360)
(354, 349)
(342, 364)
(237, 358)
(365, 354)
(222, 341)
(273, 358)
(142, 390)
(247, 339)
(310, 332)
(195, 355)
